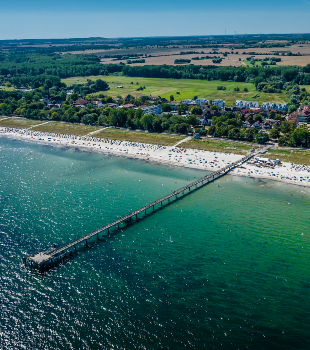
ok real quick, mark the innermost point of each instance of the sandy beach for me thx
(210, 161)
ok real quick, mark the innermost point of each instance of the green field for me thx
(188, 88)
(19, 123)
(297, 156)
(67, 129)
(257, 63)
(139, 136)
(213, 145)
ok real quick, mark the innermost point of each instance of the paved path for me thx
(37, 125)
(5, 118)
(183, 140)
(94, 132)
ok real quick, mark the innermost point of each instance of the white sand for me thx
(212, 161)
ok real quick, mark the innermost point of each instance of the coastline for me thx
(165, 155)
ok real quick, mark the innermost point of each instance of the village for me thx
(264, 117)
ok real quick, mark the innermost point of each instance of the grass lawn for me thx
(218, 146)
(139, 136)
(6, 88)
(188, 88)
(67, 129)
(297, 156)
(19, 123)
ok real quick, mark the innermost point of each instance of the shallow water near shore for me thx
(225, 267)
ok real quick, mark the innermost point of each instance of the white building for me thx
(156, 109)
(246, 104)
(189, 102)
(219, 103)
(201, 101)
(274, 105)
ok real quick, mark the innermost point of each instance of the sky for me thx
(36, 19)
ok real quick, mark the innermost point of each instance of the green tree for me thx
(261, 138)
(183, 108)
(301, 137)
(166, 107)
(147, 121)
(274, 133)
(196, 110)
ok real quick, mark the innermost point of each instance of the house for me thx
(153, 98)
(246, 125)
(156, 109)
(254, 110)
(174, 104)
(202, 120)
(267, 125)
(53, 106)
(81, 103)
(257, 125)
(112, 105)
(211, 113)
(204, 107)
(246, 104)
(129, 105)
(98, 104)
(274, 105)
(219, 103)
(201, 101)
(304, 108)
(120, 86)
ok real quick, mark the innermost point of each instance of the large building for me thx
(301, 117)
(201, 101)
(156, 109)
(246, 104)
(274, 105)
(219, 103)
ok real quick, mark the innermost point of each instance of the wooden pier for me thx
(51, 257)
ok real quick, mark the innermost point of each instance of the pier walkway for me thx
(51, 257)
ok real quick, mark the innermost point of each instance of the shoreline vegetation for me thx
(179, 156)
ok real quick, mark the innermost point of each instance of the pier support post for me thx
(136, 216)
(161, 204)
(86, 243)
(153, 207)
(118, 226)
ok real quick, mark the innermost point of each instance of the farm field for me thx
(19, 123)
(167, 55)
(67, 129)
(213, 145)
(139, 136)
(187, 88)
(298, 156)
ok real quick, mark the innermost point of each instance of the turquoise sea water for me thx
(235, 276)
